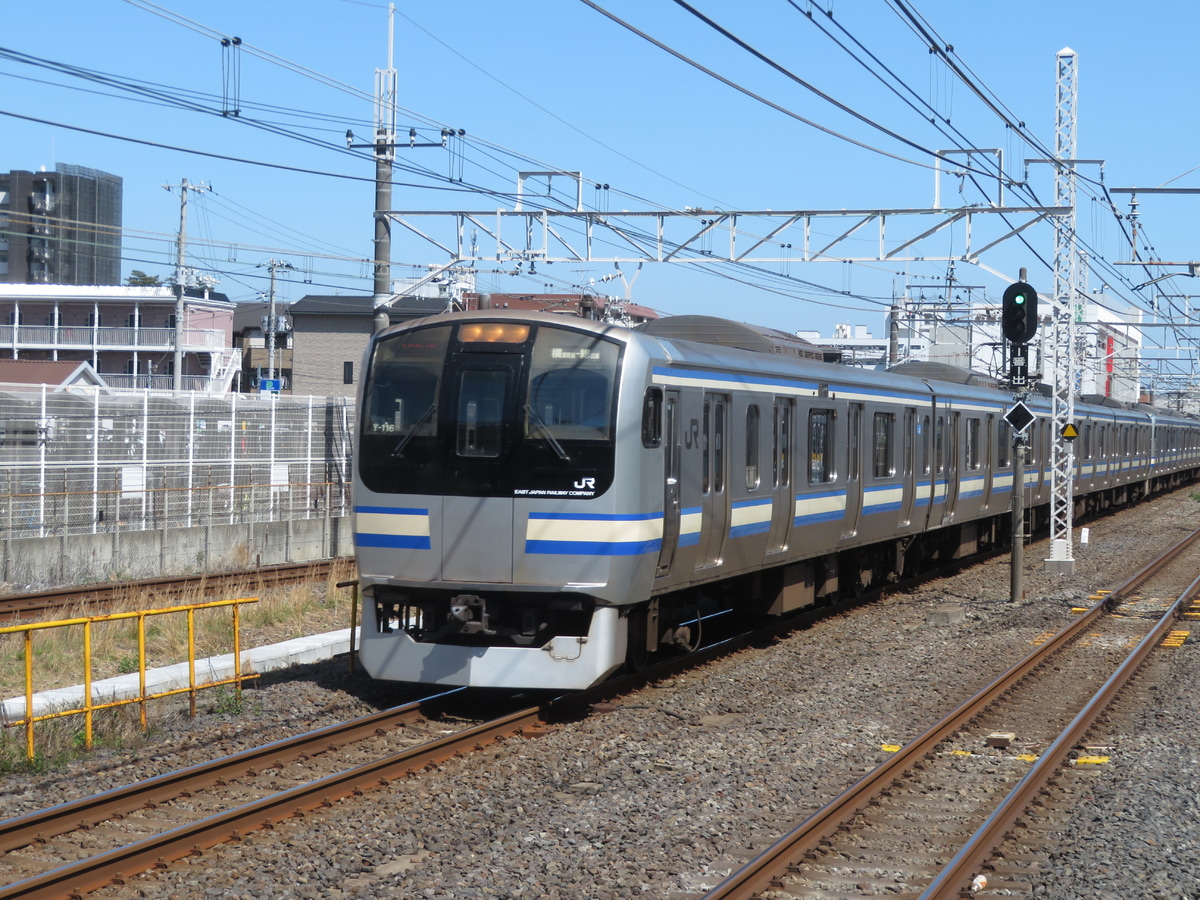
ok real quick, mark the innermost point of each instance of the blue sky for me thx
(556, 84)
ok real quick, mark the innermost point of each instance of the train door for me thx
(671, 486)
(989, 458)
(853, 470)
(714, 496)
(926, 475)
(908, 468)
(483, 389)
(783, 501)
(953, 465)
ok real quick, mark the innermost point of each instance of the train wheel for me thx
(685, 633)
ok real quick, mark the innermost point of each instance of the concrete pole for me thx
(177, 375)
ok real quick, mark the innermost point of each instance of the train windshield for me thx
(490, 409)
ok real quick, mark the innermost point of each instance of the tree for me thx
(138, 278)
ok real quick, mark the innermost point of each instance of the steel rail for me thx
(84, 876)
(763, 872)
(963, 867)
(28, 605)
(86, 812)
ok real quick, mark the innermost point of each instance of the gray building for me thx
(330, 335)
(60, 227)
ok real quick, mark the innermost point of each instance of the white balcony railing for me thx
(200, 383)
(83, 337)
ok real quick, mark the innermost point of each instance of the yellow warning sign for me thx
(1070, 432)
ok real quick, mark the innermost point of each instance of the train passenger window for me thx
(1004, 444)
(752, 464)
(972, 443)
(481, 412)
(652, 407)
(881, 446)
(820, 440)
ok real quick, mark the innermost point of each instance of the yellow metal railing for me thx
(90, 707)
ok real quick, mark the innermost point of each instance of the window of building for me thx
(347, 373)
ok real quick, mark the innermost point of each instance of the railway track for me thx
(96, 598)
(928, 822)
(82, 846)
(87, 844)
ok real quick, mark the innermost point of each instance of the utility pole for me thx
(384, 146)
(184, 187)
(273, 320)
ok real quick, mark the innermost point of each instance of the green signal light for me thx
(1019, 299)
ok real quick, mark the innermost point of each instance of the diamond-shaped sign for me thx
(1019, 417)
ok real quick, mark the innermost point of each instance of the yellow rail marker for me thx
(1175, 639)
(1028, 757)
(890, 748)
(1089, 760)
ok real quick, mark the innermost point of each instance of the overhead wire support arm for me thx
(543, 238)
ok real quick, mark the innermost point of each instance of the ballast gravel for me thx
(673, 787)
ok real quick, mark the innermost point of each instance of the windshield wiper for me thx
(537, 420)
(399, 451)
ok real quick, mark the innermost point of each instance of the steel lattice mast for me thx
(1066, 269)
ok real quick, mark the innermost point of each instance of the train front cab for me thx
(491, 533)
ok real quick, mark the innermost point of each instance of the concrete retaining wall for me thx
(30, 564)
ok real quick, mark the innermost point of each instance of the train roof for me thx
(936, 371)
(726, 333)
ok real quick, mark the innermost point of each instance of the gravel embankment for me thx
(682, 782)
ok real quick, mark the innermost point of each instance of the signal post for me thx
(1018, 322)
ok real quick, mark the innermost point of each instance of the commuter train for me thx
(542, 499)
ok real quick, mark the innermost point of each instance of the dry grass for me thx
(279, 615)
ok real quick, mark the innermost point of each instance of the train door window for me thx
(972, 454)
(652, 405)
(752, 461)
(481, 412)
(923, 446)
(781, 458)
(909, 440)
(939, 446)
(1004, 443)
(705, 450)
(820, 442)
(852, 441)
(882, 445)
(718, 447)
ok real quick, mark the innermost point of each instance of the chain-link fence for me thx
(74, 462)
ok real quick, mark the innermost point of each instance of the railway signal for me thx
(1018, 317)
